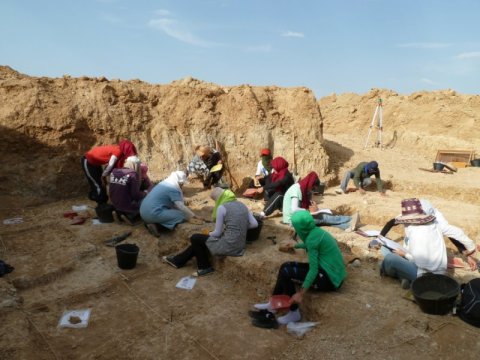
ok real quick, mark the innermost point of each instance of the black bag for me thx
(469, 310)
(5, 268)
(254, 234)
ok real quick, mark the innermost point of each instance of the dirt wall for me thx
(47, 124)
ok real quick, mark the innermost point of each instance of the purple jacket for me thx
(125, 191)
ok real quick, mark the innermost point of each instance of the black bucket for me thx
(127, 255)
(435, 293)
(475, 162)
(438, 166)
(104, 213)
(254, 234)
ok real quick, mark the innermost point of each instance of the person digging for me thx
(325, 270)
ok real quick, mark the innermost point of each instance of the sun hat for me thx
(203, 150)
(265, 152)
(413, 213)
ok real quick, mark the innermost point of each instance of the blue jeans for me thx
(395, 266)
(349, 175)
(340, 221)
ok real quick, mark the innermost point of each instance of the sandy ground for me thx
(139, 314)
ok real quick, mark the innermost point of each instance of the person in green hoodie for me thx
(325, 270)
(361, 178)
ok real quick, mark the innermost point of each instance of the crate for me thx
(459, 158)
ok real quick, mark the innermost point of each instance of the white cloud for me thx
(259, 48)
(468, 55)
(178, 31)
(162, 12)
(424, 45)
(428, 81)
(293, 34)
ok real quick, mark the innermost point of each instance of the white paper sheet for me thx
(83, 314)
(390, 244)
(186, 283)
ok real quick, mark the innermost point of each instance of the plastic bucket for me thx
(435, 293)
(254, 234)
(127, 255)
(104, 213)
(438, 166)
(475, 162)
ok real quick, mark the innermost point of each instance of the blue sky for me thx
(329, 46)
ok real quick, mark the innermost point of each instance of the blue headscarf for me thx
(371, 167)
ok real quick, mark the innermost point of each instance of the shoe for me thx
(170, 260)
(260, 314)
(203, 272)
(152, 229)
(291, 316)
(405, 284)
(115, 216)
(339, 191)
(129, 221)
(267, 322)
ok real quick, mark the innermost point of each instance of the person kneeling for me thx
(232, 220)
(325, 270)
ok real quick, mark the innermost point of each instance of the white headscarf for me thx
(176, 178)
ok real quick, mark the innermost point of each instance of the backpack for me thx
(469, 310)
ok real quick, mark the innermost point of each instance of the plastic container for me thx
(280, 302)
(435, 293)
(475, 162)
(104, 213)
(127, 255)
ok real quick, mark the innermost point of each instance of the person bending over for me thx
(462, 242)
(361, 178)
(164, 206)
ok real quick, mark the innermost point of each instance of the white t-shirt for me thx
(261, 169)
(426, 247)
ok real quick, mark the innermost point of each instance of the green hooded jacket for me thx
(322, 250)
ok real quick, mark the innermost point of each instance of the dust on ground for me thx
(139, 314)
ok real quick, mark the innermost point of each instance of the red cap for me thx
(265, 152)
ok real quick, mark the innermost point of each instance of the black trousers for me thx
(213, 178)
(275, 202)
(199, 249)
(98, 191)
(391, 223)
(291, 273)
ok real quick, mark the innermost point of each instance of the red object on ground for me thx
(455, 262)
(78, 220)
(280, 302)
(69, 214)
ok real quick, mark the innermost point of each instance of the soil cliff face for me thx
(426, 121)
(47, 124)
